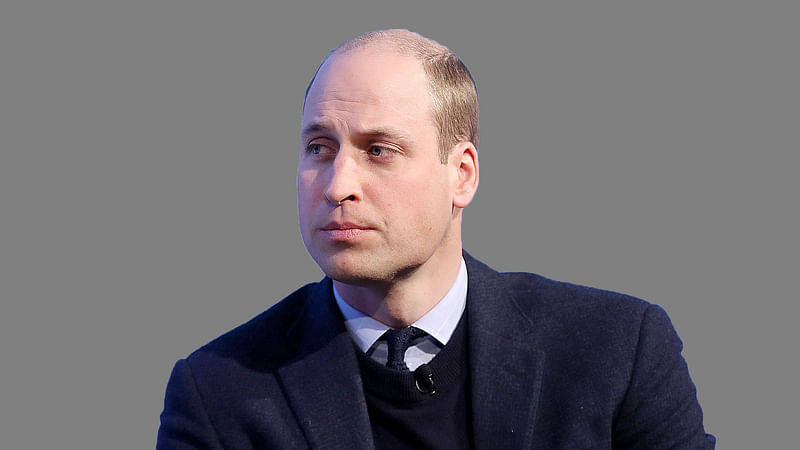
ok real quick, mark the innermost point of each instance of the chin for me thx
(354, 277)
(353, 270)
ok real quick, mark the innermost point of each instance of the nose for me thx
(343, 183)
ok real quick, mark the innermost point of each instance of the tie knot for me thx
(398, 340)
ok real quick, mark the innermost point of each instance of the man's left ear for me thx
(464, 159)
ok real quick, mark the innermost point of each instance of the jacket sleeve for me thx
(184, 422)
(660, 409)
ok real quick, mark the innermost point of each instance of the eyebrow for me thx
(383, 132)
(391, 134)
(314, 127)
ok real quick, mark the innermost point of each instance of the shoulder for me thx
(594, 318)
(541, 294)
(559, 315)
(614, 357)
(265, 338)
(211, 390)
(542, 298)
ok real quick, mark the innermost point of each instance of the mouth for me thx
(344, 231)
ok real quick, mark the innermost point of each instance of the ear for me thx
(464, 159)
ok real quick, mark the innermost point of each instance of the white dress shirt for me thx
(439, 323)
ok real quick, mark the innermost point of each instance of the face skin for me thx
(378, 211)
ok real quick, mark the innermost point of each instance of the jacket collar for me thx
(324, 387)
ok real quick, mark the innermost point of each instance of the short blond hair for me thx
(453, 91)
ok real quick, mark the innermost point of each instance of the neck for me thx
(402, 301)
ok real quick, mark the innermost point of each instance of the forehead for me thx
(369, 82)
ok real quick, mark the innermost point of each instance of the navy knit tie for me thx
(398, 340)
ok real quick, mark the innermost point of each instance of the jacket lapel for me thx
(323, 384)
(505, 368)
(324, 387)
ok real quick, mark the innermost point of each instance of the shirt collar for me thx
(439, 322)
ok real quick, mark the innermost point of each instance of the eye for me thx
(319, 149)
(376, 150)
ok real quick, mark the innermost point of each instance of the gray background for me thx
(147, 192)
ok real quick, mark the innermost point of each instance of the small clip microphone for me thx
(423, 377)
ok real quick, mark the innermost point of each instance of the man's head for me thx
(383, 174)
(450, 84)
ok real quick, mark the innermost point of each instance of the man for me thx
(409, 342)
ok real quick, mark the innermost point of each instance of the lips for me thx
(333, 225)
(344, 231)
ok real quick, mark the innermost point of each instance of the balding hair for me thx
(453, 92)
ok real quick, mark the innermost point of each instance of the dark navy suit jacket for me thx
(551, 365)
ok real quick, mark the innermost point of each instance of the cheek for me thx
(304, 178)
(427, 202)
(306, 186)
(305, 199)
